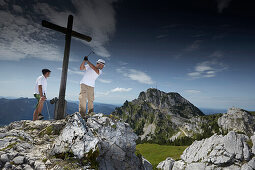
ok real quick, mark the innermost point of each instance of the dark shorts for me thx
(38, 97)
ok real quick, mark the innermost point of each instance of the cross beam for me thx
(60, 113)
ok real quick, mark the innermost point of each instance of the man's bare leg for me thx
(38, 109)
(35, 115)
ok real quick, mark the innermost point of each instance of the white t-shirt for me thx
(90, 76)
(41, 80)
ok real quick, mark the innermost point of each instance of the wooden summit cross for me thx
(60, 113)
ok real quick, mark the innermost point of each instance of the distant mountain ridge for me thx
(23, 108)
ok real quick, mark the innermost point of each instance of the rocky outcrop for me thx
(217, 152)
(155, 111)
(170, 103)
(166, 164)
(102, 142)
(237, 120)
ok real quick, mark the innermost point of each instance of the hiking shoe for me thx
(40, 116)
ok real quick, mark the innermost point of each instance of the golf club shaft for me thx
(47, 109)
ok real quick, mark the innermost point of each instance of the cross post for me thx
(60, 110)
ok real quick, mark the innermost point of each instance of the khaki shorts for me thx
(86, 95)
(38, 97)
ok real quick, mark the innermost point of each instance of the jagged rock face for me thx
(238, 120)
(170, 103)
(146, 164)
(75, 137)
(114, 140)
(217, 152)
(166, 164)
(156, 115)
(71, 143)
(23, 146)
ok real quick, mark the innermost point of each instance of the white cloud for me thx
(139, 76)
(136, 75)
(94, 18)
(192, 91)
(71, 71)
(104, 81)
(194, 74)
(203, 67)
(208, 68)
(19, 39)
(22, 35)
(118, 89)
(222, 4)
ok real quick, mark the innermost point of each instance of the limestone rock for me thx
(196, 166)
(4, 158)
(179, 165)
(39, 165)
(249, 166)
(166, 164)
(146, 164)
(75, 136)
(28, 167)
(102, 142)
(19, 160)
(116, 143)
(237, 120)
(253, 142)
(218, 149)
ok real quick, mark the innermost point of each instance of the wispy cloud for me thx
(78, 72)
(104, 81)
(72, 71)
(95, 18)
(161, 36)
(22, 35)
(222, 4)
(192, 91)
(19, 39)
(210, 67)
(194, 46)
(117, 89)
(136, 75)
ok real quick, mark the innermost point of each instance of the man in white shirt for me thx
(87, 84)
(40, 93)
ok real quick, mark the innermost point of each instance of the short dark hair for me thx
(44, 71)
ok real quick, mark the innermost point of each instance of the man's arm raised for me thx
(93, 67)
(82, 66)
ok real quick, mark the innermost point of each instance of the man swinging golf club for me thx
(87, 84)
(40, 93)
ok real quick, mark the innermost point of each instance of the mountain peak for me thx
(171, 103)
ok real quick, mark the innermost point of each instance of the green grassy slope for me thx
(156, 153)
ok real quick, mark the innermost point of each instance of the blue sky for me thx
(203, 51)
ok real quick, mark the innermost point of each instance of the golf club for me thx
(91, 52)
(47, 109)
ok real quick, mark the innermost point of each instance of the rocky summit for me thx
(171, 103)
(157, 116)
(102, 142)
(238, 120)
(230, 152)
